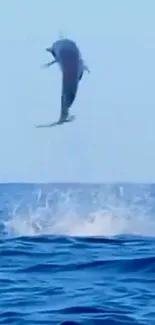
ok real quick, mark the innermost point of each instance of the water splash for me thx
(73, 213)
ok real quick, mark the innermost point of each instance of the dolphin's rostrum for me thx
(68, 56)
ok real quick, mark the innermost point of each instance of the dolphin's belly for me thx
(70, 68)
(69, 61)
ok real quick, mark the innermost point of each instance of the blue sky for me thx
(113, 136)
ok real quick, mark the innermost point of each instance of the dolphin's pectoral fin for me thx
(46, 65)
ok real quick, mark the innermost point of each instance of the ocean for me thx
(77, 254)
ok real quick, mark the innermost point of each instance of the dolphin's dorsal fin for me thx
(86, 68)
(61, 35)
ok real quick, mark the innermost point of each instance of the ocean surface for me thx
(77, 254)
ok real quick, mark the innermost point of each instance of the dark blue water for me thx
(77, 254)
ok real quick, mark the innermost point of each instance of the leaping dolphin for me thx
(67, 54)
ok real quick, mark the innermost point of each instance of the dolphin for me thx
(67, 54)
